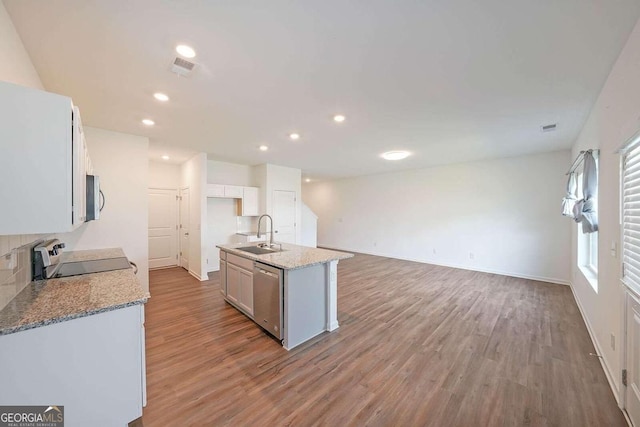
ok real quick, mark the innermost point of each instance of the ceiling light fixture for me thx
(307, 180)
(339, 118)
(294, 136)
(263, 148)
(161, 97)
(148, 122)
(186, 51)
(165, 157)
(395, 155)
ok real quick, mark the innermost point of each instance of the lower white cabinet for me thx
(239, 282)
(93, 366)
(223, 277)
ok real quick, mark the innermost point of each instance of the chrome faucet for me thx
(259, 222)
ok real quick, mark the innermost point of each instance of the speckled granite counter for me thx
(292, 257)
(56, 300)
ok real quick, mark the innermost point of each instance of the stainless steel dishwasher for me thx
(267, 298)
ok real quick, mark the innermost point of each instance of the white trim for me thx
(197, 276)
(605, 366)
(459, 266)
(629, 144)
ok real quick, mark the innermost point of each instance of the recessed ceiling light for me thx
(186, 51)
(148, 122)
(160, 96)
(294, 136)
(395, 155)
(165, 157)
(339, 118)
(263, 148)
(307, 180)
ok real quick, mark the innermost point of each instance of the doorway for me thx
(284, 216)
(184, 228)
(163, 228)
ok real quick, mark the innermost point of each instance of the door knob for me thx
(186, 234)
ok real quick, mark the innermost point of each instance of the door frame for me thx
(177, 216)
(180, 222)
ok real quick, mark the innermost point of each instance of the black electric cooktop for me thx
(77, 268)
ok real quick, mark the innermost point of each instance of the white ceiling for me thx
(449, 80)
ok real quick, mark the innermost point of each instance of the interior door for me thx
(633, 359)
(184, 228)
(163, 228)
(284, 216)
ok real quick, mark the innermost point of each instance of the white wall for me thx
(309, 227)
(121, 161)
(506, 212)
(15, 63)
(273, 177)
(194, 177)
(15, 67)
(613, 120)
(164, 175)
(229, 173)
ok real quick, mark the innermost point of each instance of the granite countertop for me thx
(248, 233)
(292, 257)
(51, 301)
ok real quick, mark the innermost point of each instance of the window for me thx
(587, 246)
(630, 200)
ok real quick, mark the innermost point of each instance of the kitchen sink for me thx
(258, 250)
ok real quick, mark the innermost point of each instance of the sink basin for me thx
(258, 250)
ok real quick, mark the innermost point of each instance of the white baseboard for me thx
(197, 276)
(462, 267)
(605, 366)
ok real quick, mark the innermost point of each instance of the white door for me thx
(284, 216)
(633, 359)
(163, 228)
(184, 228)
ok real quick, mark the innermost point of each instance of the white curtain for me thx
(570, 198)
(584, 210)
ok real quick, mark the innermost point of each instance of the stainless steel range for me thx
(46, 263)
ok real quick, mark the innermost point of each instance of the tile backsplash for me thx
(15, 265)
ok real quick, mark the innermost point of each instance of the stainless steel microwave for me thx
(94, 202)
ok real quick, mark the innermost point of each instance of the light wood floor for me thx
(417, 345)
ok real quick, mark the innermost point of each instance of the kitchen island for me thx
(309, 287)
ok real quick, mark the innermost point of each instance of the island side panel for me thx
(305, 304)
(332, 295)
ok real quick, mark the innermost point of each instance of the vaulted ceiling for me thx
(449, 81)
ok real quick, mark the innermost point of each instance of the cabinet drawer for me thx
(245, 263)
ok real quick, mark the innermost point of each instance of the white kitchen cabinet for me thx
(249, 204)
(233, 191)
(246, 291)
(233, 283)
(93, 366)
(223, 277)
(239, 280)
(215, 190)
(43, 162)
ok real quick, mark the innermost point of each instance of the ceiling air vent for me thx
(182, 67)
(549, 128)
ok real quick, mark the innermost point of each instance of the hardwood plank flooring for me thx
(418, 345)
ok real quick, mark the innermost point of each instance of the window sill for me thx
(590, 275)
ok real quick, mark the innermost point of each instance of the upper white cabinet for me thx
(43, 162)
(248, 197)
(249, 205)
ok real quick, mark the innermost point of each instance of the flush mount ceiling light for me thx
(161, 97)
(186, 51)
(294, 136)
(165, 157)
(263, 148)
(148, 122)
(395, 155)
(339, 118)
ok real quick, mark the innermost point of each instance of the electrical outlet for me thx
(471, 255)
(434, 251)
(613, 342)
(375, 243)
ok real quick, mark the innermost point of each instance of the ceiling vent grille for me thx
(549, 128)
(182, 67)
